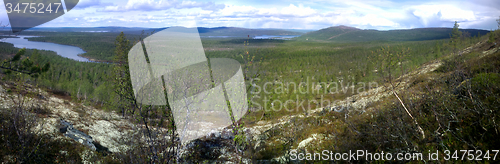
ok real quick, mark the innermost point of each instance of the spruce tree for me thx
(25, 66)
(121, 75)
(455, 33)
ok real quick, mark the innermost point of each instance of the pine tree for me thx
(498, 22)
(491, 37)
(437, 51)
(455, 33)
(25, 66)
(121, 75)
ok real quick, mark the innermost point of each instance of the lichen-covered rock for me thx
(68, 130)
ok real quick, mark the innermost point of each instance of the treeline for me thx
(80, 80)
(87, 81)
(275, 61)
(290, 61)
(456, 106)
(352, 35)
(320, 63)
(7, 50)
(98, 47)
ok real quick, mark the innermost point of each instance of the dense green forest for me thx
(204, 31)
(242, 32)
(275, 61)
(350, 34)
(456, 105)
(97, 46)
(318, 64)
(80, 80)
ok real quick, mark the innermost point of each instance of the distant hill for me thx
(303, 31)
(329, 33)
(87, 29)
(216, 31)
(242, 32)
(351, 34)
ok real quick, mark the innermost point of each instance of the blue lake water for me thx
(72, 52)
(67, 51)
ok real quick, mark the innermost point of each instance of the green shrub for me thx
(21, 144)
(486, 80)
(447, 65)
(490, 63)
(492, 36)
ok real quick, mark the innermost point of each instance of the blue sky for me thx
(295, 14)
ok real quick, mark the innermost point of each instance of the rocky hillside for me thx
(106, 128)
(343, 126)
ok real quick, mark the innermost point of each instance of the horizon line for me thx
(262, 28)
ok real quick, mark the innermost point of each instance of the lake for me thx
(71, 52)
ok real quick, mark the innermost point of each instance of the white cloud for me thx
(154, 5)
(298, 11)
(372, 20)
(312, 14)
(142, 5)
(91, 3)
(293, 16)
(232, 10)
(443, 12)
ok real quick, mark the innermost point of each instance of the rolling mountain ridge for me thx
(351, 34)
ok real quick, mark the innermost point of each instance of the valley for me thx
(337, 89)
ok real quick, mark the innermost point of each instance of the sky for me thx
(291, 14)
